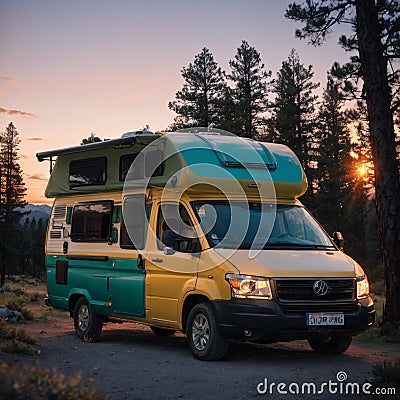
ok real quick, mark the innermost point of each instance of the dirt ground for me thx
(130, 362)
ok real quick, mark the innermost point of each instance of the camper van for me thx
(198, 231)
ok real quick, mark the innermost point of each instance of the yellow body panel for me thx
(170, 279)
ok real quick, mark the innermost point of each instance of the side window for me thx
(147, 164)
(134, 222)
(172, 227)
(91, 222)
(87, 172)
(125, 163)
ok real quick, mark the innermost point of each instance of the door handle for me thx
(157, 260)
(140, 262)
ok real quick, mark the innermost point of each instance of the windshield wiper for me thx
(303, 245)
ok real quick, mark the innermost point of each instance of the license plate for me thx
(321, 319)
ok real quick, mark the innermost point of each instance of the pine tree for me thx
(12, 193)
(250, 90)
(293, 115)
(376, 39)
(334, 160)
(198, 103)
(364, 189)
(92, 138)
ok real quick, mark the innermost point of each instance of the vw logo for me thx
(320, 288)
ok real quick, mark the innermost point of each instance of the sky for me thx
(70, 68)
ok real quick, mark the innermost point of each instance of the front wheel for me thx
(88, 325)
(333, 345)
(205, 341)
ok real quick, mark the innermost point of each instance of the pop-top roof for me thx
(185, 158)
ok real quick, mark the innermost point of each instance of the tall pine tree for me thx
(199, 101)
(12, 193)
(293, 115)
(250, 81)
(334, 172)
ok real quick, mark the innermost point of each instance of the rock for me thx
(10, 315)
(3, 311)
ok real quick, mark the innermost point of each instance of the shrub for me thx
(15, 346)
(384, 332)
(386, 375)
(36, 296)
(16, 340)
(5, 288)
(34, 383)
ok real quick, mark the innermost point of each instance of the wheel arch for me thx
(190, 301)
(74, 296)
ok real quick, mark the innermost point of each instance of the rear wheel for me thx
(88, 325)
(205, 340)
(333, 345)
(162, 331)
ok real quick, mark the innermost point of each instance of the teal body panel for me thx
(207, 159)
(115, 281)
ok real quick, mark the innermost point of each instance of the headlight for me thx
(362, 287)
(245, 286)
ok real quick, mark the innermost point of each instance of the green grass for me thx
(380, 332)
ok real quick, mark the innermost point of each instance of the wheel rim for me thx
(200, 332)
(83, 318)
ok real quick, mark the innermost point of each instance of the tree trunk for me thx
(387, 180)
(2, 265)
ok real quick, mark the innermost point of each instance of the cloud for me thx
(22, 114)
(34, 138)
(6, 78)
(37, 177)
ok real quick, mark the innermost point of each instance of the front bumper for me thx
(266, 321)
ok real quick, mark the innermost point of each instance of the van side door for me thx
(128, 272)
(172, 267)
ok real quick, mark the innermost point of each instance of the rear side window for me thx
(148, 164)
(88, 171)
(91, 222)
(125, 163)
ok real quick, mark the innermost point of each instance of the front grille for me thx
(302, 289)
(299, 309)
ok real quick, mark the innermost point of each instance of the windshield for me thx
(237, 225)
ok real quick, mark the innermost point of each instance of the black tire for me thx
(205, 341)
(88, 325)
(333, 345)
(162, 331)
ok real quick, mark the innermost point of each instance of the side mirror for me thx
(338, 240)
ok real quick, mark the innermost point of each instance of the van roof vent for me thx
(136, 133)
